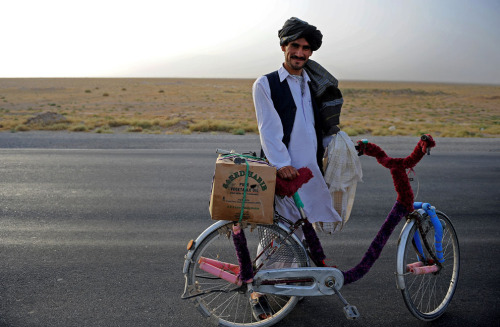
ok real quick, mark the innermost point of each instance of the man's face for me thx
(296, 55)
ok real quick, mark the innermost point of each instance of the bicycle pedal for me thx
(351, 312)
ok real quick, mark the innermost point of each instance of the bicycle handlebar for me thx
(425, 144)
(227, 152)
(398, 166)
(222, 151)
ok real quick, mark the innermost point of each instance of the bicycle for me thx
(427, 259)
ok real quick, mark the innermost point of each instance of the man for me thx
(291, 129)
(290, 123)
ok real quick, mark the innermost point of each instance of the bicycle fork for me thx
(434, 262)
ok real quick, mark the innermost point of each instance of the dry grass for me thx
(225, 105)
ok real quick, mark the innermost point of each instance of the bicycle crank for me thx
(350, 311)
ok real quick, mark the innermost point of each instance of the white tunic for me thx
(301, 150)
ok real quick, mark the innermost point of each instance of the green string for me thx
(244, 156)
(244, 193)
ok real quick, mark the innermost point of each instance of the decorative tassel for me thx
(398, 211)
(315, 248)
(289, 187)
(240, 244)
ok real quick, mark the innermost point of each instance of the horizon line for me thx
(254, 78)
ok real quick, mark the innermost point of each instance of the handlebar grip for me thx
(426, 139)
(360, 147)
(298, 200)
(221, 151)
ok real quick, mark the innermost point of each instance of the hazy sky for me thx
(421, 40)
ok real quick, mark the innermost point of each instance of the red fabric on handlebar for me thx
(398, 167)
(289, 187)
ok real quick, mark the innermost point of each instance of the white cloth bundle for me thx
(342, 174)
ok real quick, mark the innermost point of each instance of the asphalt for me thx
(94, 228)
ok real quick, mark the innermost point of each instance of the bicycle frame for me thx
(400, 209)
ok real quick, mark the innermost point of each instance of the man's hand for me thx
(288, 172)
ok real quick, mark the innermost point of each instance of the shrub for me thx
(56, 127)
(212, 125)
(134, 129)
(118, 123)
(239, 131)
(104, 130)
(171, 122)
(79, 128)
(21, 128)
(143, 124)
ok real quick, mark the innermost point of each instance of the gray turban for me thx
(295, 28)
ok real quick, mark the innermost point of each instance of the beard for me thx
(295, 62)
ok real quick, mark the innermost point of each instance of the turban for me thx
(295, 28)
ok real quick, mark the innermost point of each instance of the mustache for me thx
(297, 57)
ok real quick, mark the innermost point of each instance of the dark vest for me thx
(286, 108)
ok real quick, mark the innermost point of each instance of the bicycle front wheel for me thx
(222, 302)
(428, 295)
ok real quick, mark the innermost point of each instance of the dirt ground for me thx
(117, 105)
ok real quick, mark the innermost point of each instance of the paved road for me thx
(94, 227)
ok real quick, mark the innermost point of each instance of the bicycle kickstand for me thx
(350, 311)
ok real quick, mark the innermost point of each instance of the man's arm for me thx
(271, 130)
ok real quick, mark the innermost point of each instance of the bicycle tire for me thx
(233, 308)
(427, 296)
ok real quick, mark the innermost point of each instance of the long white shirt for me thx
(301, 150)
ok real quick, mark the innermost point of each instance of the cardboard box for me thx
(228, 189)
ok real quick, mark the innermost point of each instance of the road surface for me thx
(94, 228)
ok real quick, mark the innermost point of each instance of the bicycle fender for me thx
(405, 232)
(197, 242)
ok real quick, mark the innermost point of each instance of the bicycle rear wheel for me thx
(428, 295)
(227, 306)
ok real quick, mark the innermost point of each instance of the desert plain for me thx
(185, 106)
